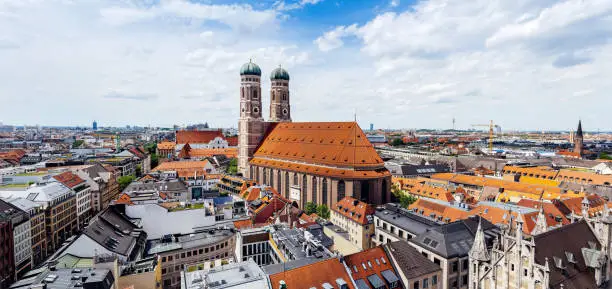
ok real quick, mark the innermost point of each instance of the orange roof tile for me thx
(584, 177)
(69, 179)
(166, 145)
(197, 136)
(338, 144)
(172, 166)
(374, 259)
(200, 153)
(243, 224)
(313, 275)
(354, 210)
(439, 193)
(437, 210)
(551, 212)
(320, 170)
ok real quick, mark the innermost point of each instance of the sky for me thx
(525, 64)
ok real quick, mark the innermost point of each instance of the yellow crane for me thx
(491, 126)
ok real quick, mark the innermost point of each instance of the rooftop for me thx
(236, 275)
(171, 243)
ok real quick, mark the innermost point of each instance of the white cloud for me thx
(280, 5)
(333, 39)
(394, 3)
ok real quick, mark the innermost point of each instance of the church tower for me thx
(280, 110)
(578, 139)
(251, 123)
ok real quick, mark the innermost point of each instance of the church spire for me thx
(540, 225)
(579, 130)
(479, 248)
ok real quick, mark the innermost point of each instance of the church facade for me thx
(319, 162)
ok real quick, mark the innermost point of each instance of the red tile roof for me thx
(69, 179)
(353, 209)
(374, 260)
(313, 275)
(551, 212)
(337, 144)
(197, 136)
(232, 141)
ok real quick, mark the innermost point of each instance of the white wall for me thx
(157, 221)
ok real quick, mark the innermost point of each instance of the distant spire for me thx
(479, 248)
(579, 130)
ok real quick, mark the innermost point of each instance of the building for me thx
(190, 252)
(201, 139)
(319, 162)
(22, 238)
(174, 190)
(231, 276)
(394, 223)
(357, 219)
(572, 256)
(579, 140)
(165, 149)
(372, 269)
(95, 125)
(110, 233)
(255, 244)
(234, 185)
(414, 269)
(37, 226)
(59, 204)
(321, 274)
(449, 245)
(7, 253)
(55, 278)
(102, 183)
(83, 196)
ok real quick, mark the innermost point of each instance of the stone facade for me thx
(280, 109)
(251, 123)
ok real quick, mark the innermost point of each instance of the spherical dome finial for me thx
(250, 68)
(279, 73)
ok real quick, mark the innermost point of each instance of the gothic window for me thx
(295, 179)
(324, 191)
(304, 188)
(341, 190)
(255, 94)
(273, 96)
(265, 176)
(284, 96)
(278, 181)
(271, 182)
(287, 184)
(314, 190)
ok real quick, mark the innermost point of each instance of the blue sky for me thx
(395, 63)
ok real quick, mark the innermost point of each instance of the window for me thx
(341, 188)
(170, 258)
(163, 271)
(464, 265)
(415, 285)
(201, 251)
(188, 254)
(314, 190)
(286, 185)
(436, 261)
(526, 273)
(464, 280)
(425, 254)
(512, 267)
(324, 191)
(434, 280)
(255, 96)
(385, 226)
(380, 238)
(425, 283)
(182, 255)
(163, 259)
(454, 266)
(400, 233)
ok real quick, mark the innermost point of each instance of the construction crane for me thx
(491, 126)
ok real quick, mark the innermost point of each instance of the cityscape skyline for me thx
(151, 59)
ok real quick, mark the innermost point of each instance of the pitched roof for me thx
(410, 261)
(596, 204)
(437, 210)
(172, 166)
(313, 275)
(555, 244)
(69, 179)
(200, 153)
(232, 141)
(166, 145)
(553, 214)
(197, 136)
(337, 144)
(364, 264)
(355, 210)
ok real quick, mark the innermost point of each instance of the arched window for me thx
(265, 176)
(304, 189)
(314, 190)
(286, 184)
(271, 182)
(341, 190)
(278, 181)
(295, 179)
(255, 94)
(384, 191)
(273, 96)
(324, 191)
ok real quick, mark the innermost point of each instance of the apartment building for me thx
(83, 196)
(356, 218)
(37, 227)
(22, 246)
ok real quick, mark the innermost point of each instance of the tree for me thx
(310, 208)
(404, 198)
(151, 148)
(605, 156)
(139, 170)
(154, 160)
(232, 168)
(397, 142)
(77, 143)
(124, 181)
(323, 211)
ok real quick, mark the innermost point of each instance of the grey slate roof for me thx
(404, 219)
(409, 260)
(115, 232)
(455, 239)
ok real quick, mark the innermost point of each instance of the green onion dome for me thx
(250, 68)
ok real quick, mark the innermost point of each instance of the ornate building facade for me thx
(573, 256)
(319, 162)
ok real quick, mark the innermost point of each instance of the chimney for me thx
(282, 284)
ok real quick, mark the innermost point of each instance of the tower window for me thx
(255, 94)
(284, 96)
(285, 111)
(256, 110)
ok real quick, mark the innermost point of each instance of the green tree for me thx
(605, 156)
(323, 211)
(138, 170)
(310, 208)
(77, 143)
(397, 142)
(151, 148)
(232, 168)
(407, 200)
(124, 181)
(154, 160)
